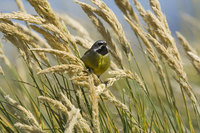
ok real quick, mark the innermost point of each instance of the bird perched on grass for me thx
(96, 59)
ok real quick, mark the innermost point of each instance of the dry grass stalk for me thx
(110, 82)
(71, 40)
(4, 57)
(22, 16)
(52, 40)
(118, 74)
(36, 41)
(170, 54)
(54, 31)
(70, 68)
(28, 114)
(72, 120)
(74, 24)
(94, 104)
(36, 38)
(196, 60)
(126, 8)
(190, 94)
(101, 88)
(57, 104)
(190, 52)
(57, 35)
(162, 33)
(81, 122)
(34, 66)
(12, 33)
(44, 9)
(61, 54)
(108, 16)
(184, 43)
(158, 27)
(155, 5)
(103, 91)
(57, 32)
(191, 20)
(151, 53)
(105, 33)
(113, 66)
(81, 83)
(6, 122)
(194, 56)
(73, 114)
(57, 53)
(66, 101)
(82, 79)
(70, 126)
(166, 38)
(20, 5)
(172, 62)
(109, 96)
(140, 8)
(21, 8)
(140, 82)
(85, 43)
(143, 13)
(29, 19)
(28, 128)
(1, 71)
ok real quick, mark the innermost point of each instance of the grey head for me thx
(100, 47)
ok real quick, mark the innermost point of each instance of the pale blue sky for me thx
(171, 8)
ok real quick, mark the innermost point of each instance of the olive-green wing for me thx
(91, 59)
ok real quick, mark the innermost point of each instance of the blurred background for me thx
(182, 16)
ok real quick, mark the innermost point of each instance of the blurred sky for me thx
(171, 8)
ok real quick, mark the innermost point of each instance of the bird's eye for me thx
(100, 44)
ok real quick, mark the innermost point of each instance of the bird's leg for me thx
(105, 82)
(89, 70)
(99, 78)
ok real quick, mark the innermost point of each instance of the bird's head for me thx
(100, 47)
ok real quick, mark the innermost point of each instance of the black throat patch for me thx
(102, 50)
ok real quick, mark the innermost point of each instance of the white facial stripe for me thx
(99, 48)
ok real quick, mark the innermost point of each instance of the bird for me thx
(97, 59)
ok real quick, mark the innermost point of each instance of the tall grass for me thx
(60, 95)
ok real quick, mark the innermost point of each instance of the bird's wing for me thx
(86, 53)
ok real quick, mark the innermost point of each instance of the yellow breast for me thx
(103, 65)
(98, 63)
